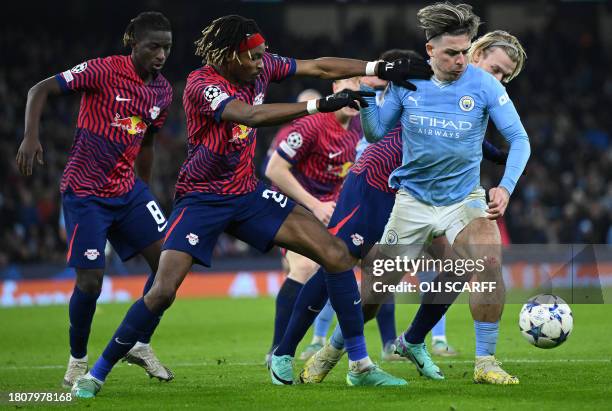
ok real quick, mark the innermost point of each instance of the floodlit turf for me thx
(216, 348)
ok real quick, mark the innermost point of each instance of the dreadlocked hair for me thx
(448, 18)
(506, 41)
(221, 39)
(145, 21)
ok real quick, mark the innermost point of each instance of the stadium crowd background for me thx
(563, 97)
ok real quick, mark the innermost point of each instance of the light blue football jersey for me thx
(443, 126)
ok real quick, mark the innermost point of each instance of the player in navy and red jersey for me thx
(312, 158)
(217, 189)
(124, 101)
(305, 95)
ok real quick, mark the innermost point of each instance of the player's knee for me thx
(491, 266)
(336, 257)
(90, 282)
(160, 297)
(302, 271)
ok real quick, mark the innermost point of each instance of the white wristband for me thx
(311, 106)
(371, 68)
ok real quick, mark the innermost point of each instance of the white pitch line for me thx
(249, 364)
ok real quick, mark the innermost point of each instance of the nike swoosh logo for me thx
(122, 98)
(121, 343)
(160, 229)
(334, 155)
(286, 382)
(356, 302)
(313, 310)
(419, 364)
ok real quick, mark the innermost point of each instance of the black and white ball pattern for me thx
(211, 92)
(294, 139)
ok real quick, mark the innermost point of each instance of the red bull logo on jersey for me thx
(133, 124)
(240, 132)
(342, 170)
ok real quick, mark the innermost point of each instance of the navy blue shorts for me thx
(361, 214)
(199, 218)
(130, 222)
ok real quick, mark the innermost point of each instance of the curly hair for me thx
(221, 39)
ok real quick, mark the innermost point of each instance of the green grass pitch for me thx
(216, 348)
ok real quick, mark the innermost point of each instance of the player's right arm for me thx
(377, 121)
(297, 144)
(278, 113)
(84, 77)
(30, 147)
(279, 172)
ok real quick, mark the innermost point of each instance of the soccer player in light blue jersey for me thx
(443, 125)
(502, 55)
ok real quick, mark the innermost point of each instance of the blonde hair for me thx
(507, 42)
(448, 18)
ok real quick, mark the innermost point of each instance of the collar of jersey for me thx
(441, 84)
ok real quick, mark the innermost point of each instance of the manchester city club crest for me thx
(466, 103)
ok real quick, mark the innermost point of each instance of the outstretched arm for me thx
(332, 68)
(30, 147)
(279, 113)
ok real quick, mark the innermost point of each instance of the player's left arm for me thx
(333, 68)
(506, 119)
(146, 156)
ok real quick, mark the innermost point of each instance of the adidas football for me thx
(546, 321)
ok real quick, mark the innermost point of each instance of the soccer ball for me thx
(546, 321)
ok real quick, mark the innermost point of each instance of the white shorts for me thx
(413, 222)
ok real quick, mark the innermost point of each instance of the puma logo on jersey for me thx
(415, 100)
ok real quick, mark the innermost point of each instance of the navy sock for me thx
(430, 312)
(386, 323)
(309, 302)
(426, 317)
(146, 338)
(80, 311)
(138, 320)
(346, 301)
(285, 300)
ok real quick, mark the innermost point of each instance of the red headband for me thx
(251, 42)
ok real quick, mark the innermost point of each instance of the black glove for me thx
(405, 68)
(344, 98)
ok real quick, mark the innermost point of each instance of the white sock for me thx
(360, 366)
(317, 339)
(78, 359)
(139, 344)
